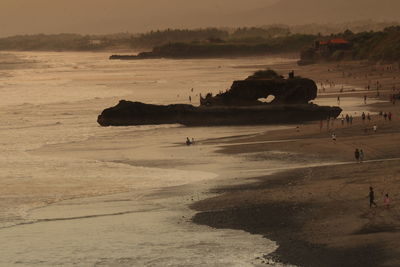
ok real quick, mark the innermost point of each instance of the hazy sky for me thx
(111, 16)
(105, 16)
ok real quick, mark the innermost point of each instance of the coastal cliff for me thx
(241, 105)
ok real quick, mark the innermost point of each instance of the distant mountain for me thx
(323, 11)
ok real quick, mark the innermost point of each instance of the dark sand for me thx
(320, 216)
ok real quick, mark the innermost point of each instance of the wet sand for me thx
(320, 215)
(74, 193)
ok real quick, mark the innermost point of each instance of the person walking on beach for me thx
(371, 197)
(357, 154)
(361, 152)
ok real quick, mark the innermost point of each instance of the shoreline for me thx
(319, 216)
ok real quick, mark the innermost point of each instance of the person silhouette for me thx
(371, 197)
(188, 142)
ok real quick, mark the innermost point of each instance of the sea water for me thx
(74, 193)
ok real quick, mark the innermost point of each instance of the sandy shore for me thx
(320, 215)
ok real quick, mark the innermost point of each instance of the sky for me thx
(113, 16)
(110, 16)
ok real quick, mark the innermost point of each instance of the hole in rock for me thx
(267, 99)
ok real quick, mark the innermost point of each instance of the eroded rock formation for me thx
(241, 105)
(262, 85)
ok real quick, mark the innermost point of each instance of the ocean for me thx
(77, 194)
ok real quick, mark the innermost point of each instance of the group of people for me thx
(364, 117)
(371, 195)
(329, 83)
(386, 116)
(348, 118)
(359, 155)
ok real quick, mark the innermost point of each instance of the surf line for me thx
(261, 142)
(320, 165)
(77, 218)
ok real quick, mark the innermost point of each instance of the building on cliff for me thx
(327, 50)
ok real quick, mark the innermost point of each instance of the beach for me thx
(319, 213)
(74, 193)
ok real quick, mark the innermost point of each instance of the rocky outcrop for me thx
(241, 105)
(135, 113)
(261, 86)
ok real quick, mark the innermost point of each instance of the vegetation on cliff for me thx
(237, 47)
(374, 46)
(377, 46)
(370, 41)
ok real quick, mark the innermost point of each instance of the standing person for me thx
(361, 155)
(386, 201)
(347, 119)
(385, 115)
(328, 120)
(390, 116)
(357, 154)
(371, 197)
(338, 100)
(334, 137)
(375, 128)
(188, 142)
(365, 99)
(363, 117)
